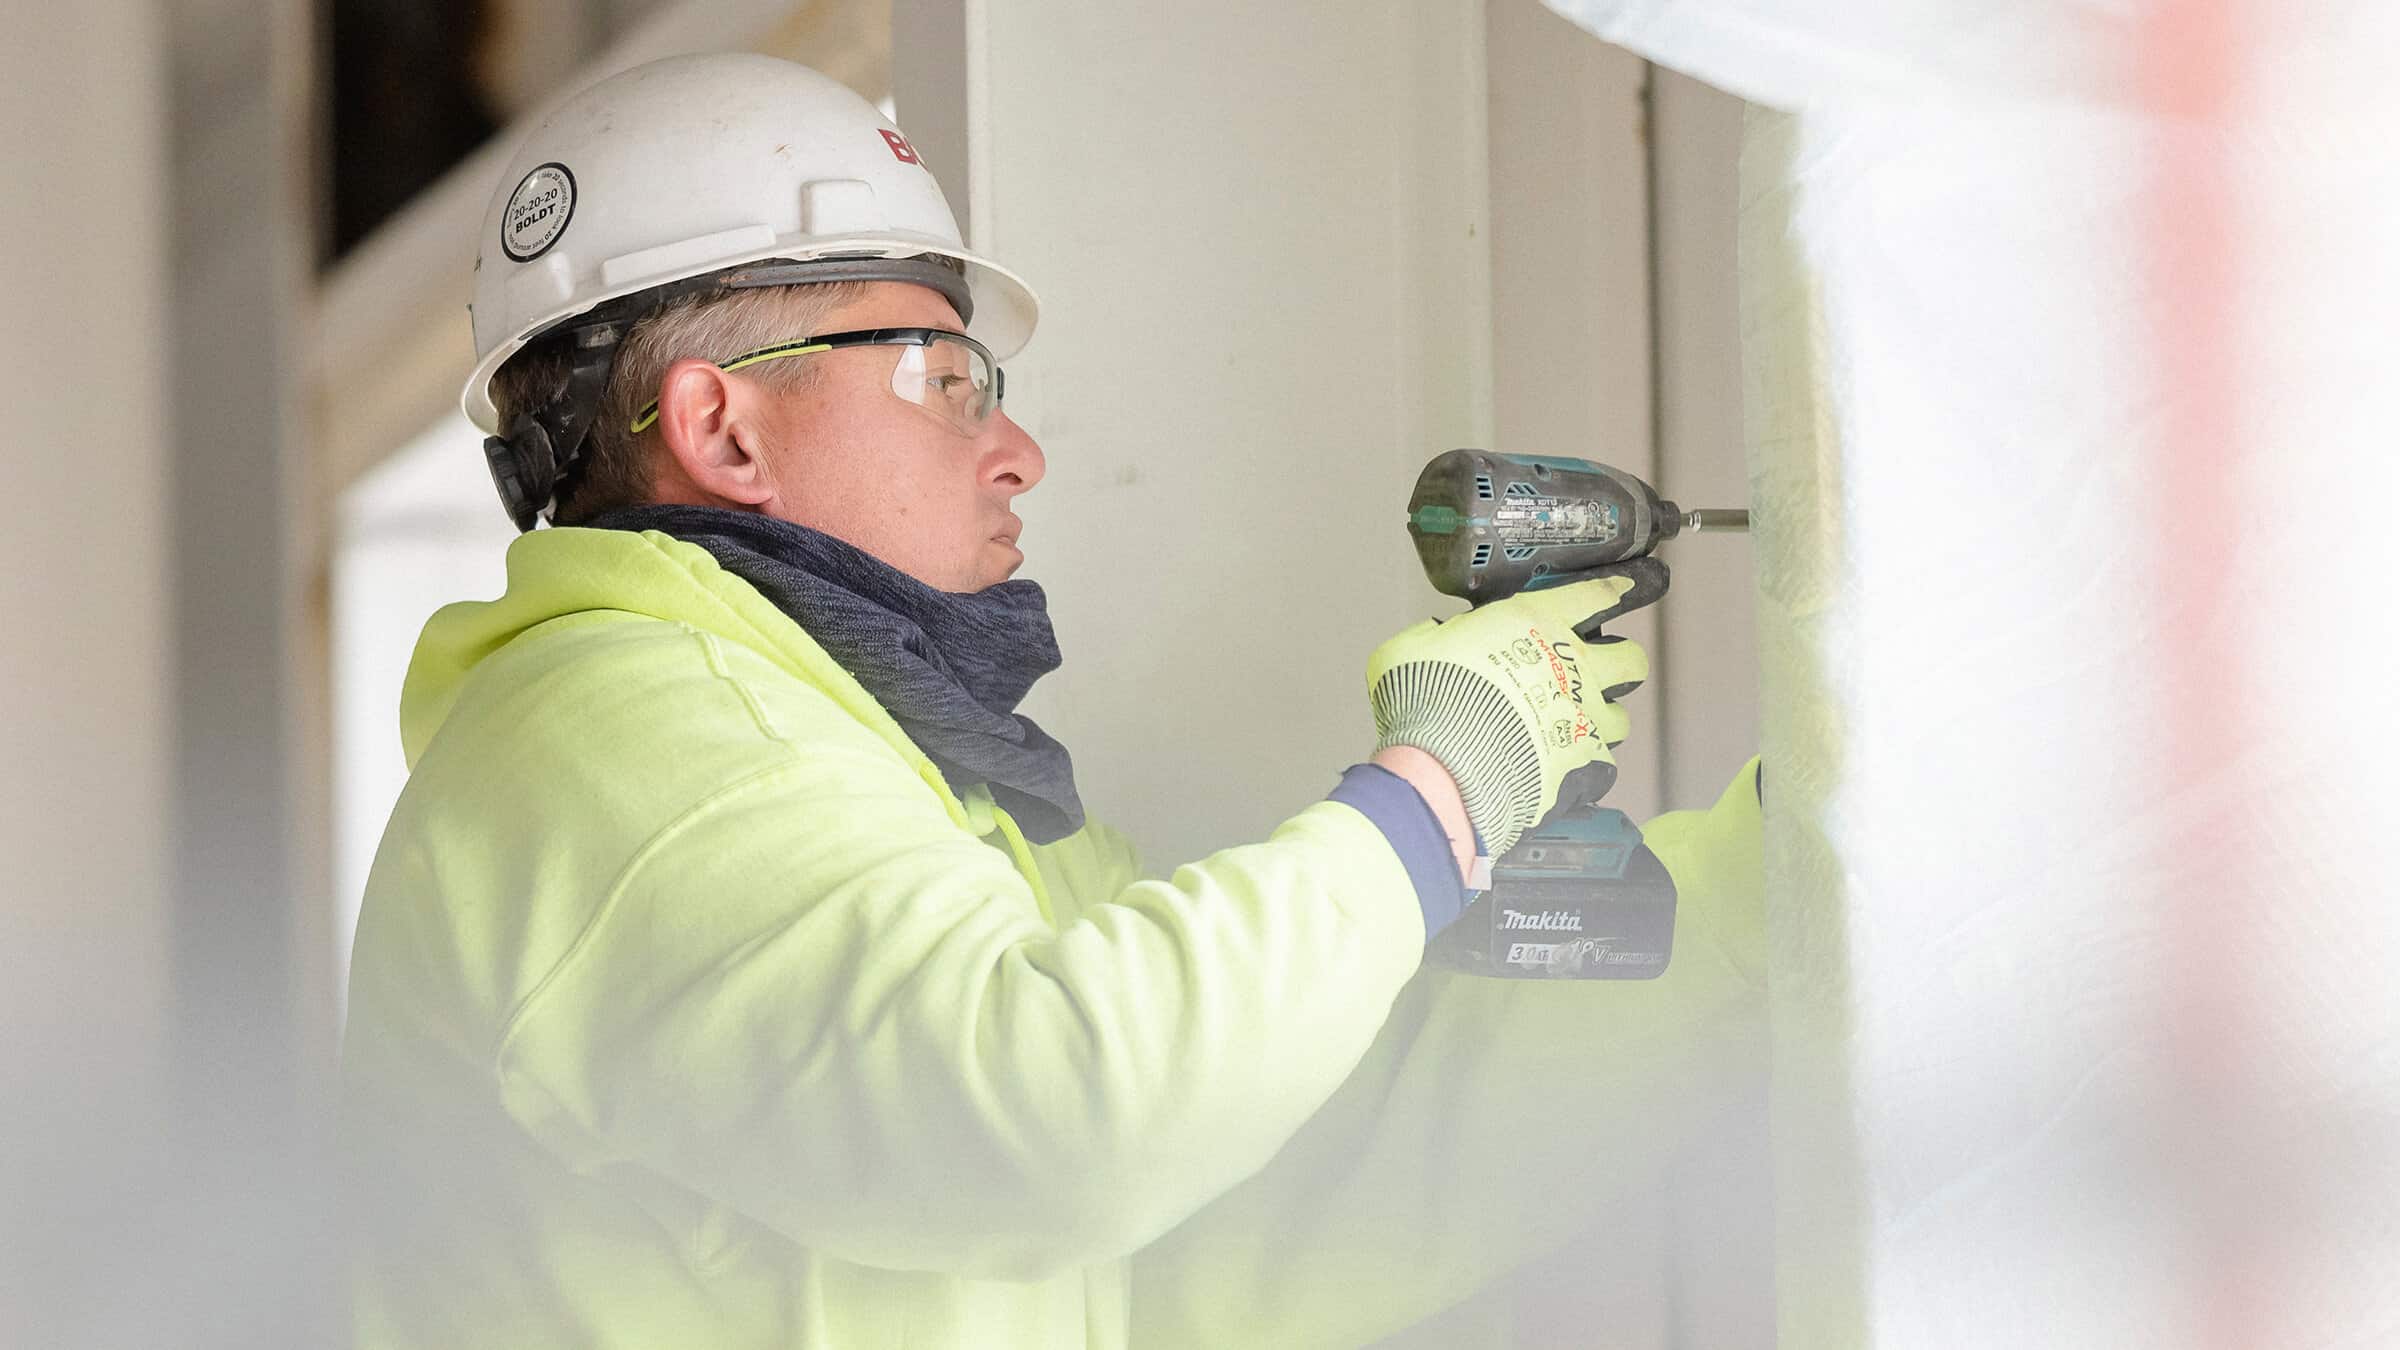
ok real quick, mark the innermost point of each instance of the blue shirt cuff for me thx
(1414, 832)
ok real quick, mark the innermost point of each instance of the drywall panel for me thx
(1259, 235)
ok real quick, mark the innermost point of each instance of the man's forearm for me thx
(1433, 782)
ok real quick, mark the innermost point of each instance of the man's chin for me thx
(1016, 559)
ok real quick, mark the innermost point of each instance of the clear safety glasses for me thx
(949, 374)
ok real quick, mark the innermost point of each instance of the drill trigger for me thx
(1650, 577)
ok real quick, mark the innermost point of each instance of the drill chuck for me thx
(1717, 520)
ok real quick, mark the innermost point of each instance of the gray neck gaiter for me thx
(949, 668)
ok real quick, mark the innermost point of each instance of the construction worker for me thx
(740, 969)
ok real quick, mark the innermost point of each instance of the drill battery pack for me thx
(1580, 897)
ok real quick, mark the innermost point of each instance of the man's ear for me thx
(707, 423)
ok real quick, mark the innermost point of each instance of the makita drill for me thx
(1580, 896)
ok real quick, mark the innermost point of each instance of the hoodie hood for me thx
(559, 574)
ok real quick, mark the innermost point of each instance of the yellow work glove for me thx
(1510, 699)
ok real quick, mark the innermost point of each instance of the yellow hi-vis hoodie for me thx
(690, 1007)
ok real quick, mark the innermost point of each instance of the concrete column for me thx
(87, 725)
(251, 979)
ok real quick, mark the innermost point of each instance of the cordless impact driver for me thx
(1579, 896)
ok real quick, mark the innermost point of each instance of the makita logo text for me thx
(1548, 921)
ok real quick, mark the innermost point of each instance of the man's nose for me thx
(1013, 455)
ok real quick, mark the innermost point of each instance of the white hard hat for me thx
(687, 167)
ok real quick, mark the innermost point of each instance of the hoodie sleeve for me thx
(1492, 1122)
(816, 1000)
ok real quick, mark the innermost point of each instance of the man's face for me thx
(850, 457)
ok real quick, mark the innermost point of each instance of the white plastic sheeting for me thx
(2074, 342)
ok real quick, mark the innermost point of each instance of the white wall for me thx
(420, 530)
(1266, 292)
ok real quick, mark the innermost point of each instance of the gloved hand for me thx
(1510, 699)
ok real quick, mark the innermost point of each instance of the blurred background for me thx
(1286, 254)
(2052, 343)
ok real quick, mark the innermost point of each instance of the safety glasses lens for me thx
(950, 379)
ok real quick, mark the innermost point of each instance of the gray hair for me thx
(614, 469)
